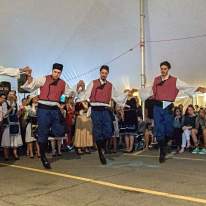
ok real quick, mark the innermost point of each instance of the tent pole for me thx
(142, 50)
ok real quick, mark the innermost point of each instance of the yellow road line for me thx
(112, 185)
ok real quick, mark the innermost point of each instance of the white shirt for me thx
(3, 111)
(39, 82)
(14, 72)
(147, 92)
(119, 98)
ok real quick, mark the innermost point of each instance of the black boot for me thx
(100, 145)
(162, 151)
(44, 160)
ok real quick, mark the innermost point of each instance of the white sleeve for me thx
(85, 95)
(145, 93)
(14, 72)
(186, 88)
(4, 110)
(119, 98)
(35, 84)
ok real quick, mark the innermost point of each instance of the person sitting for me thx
(201, 127)
(189, 129)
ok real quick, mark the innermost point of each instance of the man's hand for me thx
(26, 70)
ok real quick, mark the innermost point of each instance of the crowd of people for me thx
(98, 117)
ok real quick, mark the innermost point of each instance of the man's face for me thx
(56, 73)
(164, 70)
(11, 95)
(202, 113)
(103, 74)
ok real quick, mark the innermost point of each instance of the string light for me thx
(132, 49)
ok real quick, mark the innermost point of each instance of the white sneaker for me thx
(182, 150)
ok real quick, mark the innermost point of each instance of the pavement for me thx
(127, 180)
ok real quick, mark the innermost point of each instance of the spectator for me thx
(177, 126)
(197, 108)
(31, 128)
(189, 129)
(201, 127)
(70, 120)
(23, 120)
(83, 139)
(11, 136)
(130, 122)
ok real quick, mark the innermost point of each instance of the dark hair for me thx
(57, 66)
(177, 109)
(1, 94)
(191, 106)
(165, 63)
(104, 67)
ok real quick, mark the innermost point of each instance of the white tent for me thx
(83, 34)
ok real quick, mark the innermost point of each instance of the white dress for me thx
(29, 137)
(116, 127)
(11, 140)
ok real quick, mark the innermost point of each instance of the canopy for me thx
(84, 34)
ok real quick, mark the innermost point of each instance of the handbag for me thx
(14, 128)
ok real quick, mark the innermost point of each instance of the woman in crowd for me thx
(83, 139)
(70, 121)
(31, 129)
(189, 129)
(177, 126)
(12, 136)
(23, 119)
(130, 121)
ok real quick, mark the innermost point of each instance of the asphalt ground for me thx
(127, 180)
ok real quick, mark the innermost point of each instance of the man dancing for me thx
(49, 116)
(164, 92)
(100, 92)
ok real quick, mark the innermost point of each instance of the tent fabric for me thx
(83, 34)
